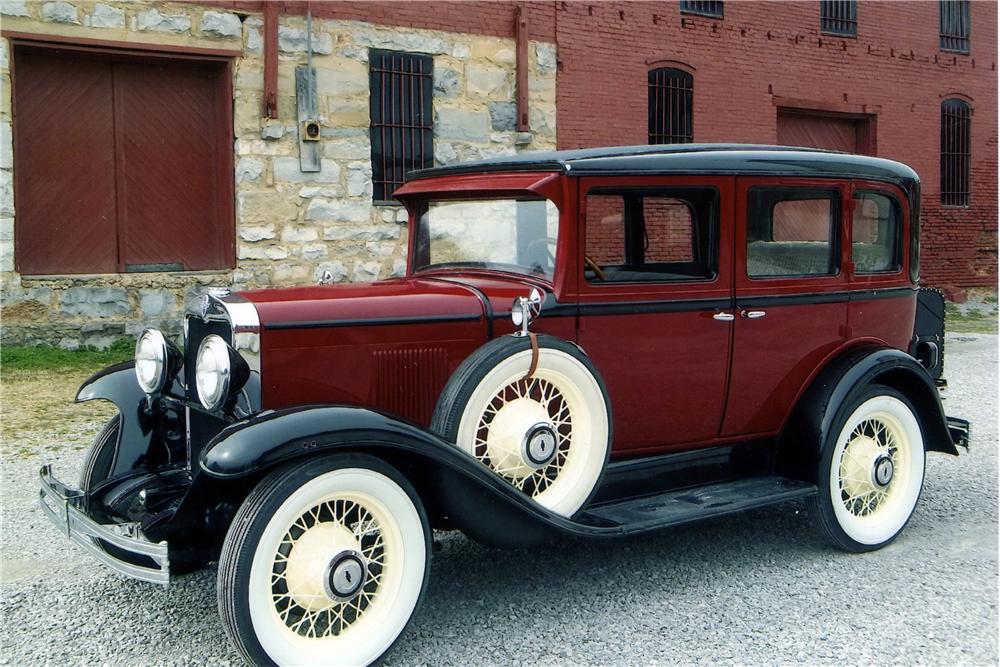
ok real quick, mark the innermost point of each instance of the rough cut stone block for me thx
(272, 130)
(60, 12)
(105, 16)
(6, 229)
(298, 233)
(359, 179)
(347, 148)
(462, 125)
(156, 303)
(220, 24)
(153, 20)
(361, 233)
(337, 270)
(503, 116)
(249, 169)
(293, 40)
(6, 194)
(257, 233)
(398, 268)
(255, 43)
(288, 169)
(95, 302)
(546, 55)
(314, 251)
(446, 82)
(14, 8)
(486, 80)
(366, 271)
(347, 77)
(6, 146)
(396, 40)
(444, 153)
(339, 210)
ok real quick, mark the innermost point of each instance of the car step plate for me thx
(677, 507)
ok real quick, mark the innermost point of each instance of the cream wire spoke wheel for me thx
(546, 435)
(324, 568)
(876, 469)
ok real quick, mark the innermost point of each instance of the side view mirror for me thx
(525, 309)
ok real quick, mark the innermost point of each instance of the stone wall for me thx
(290, 226)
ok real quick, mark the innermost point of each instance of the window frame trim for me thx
(837, 233)
(715, 231)
(898, 250)
(837, 33)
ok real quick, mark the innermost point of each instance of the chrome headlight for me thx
(218, 371)
(151, 359)
(212, 371)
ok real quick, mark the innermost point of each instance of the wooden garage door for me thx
(121, 165)
(830, 131)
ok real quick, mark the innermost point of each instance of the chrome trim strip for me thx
(60, 504)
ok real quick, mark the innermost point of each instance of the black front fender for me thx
(118, 385)
(451, 483)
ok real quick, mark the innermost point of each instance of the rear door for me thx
(791, 295)
(653, 314)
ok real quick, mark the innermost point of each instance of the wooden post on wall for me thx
(521, 39)
(270, 59)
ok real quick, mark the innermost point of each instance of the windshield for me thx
(516, 235)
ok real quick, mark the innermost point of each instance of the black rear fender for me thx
(455, 488)
(812, 420)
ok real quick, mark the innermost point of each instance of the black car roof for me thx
(731, 159)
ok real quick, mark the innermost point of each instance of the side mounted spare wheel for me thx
(324, 564)
(545, 429)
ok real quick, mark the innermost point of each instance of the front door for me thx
(654, 304)
(791, 305)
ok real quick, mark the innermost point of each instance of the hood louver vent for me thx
(409, 380)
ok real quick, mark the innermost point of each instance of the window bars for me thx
(711, 8)
(956, 152)
(402, 118)
(955, 25)
(671, 98)
(838, 17)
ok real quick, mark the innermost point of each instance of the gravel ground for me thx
(759, 588)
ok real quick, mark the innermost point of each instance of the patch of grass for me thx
(971, 320)
(21, 358)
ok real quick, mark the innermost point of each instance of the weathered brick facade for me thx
(588, 82)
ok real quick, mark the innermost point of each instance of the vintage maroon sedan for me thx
(586, 343)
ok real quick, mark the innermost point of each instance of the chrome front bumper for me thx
(64, 507)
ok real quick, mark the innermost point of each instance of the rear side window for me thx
(792, 232)
(651, 236)
(875, 233)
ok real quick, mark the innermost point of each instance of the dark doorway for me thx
(833, 131)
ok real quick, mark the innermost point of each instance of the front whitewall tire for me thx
(286, 555)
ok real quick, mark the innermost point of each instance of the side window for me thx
(651, 236)
(792, 232)
(875, 233)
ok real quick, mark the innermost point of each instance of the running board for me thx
(676, 507)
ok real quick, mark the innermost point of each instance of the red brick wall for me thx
(760, 56)
(766, 54)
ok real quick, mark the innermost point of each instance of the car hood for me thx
(413, 299)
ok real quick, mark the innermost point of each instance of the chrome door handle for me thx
(752, 314)
(724, 317)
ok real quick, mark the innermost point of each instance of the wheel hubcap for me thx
(345, 575)
(539, 446)
(868, 467)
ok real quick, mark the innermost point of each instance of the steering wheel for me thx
(592, 265)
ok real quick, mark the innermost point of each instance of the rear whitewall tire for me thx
(855, 513)
(272, 621)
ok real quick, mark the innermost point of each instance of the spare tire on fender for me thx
(545, 429)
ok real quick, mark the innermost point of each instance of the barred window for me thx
(956, 152)
(838, 17)
(402, 117)
(711, 8)
(955, 25)
(671, 99)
